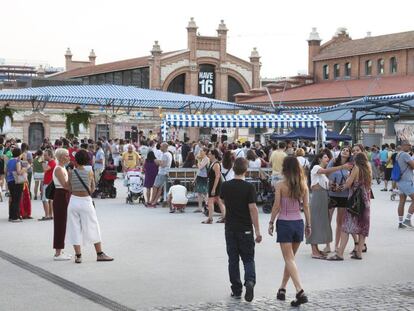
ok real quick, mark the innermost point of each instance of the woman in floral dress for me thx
(360, 178)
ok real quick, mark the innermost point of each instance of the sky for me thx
(40, 31)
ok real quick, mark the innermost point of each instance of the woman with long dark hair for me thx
(290, 193)
(322, 231)
(338, 199)
(360, 178)
(190, 160)
(227, 166)
(15, 169)
(150, 171)
(214, 187)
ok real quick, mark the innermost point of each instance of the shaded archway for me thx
(36, 135)
(177, 85)
(233, 87)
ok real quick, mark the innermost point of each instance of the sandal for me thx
(365, 248)
(335, 258)
(318, 257)
(355, 256)
(300, 299)
(281, 294)
(221, 221)
(208, 221)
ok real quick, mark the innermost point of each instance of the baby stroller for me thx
(267, 195)
(134, 181)
(105, 187)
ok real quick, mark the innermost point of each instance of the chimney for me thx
(192, 39)
(255, 61)
(222, 34)
(155, 67)
(314, 46)
(68, 59)
(40, 72)
(92, 57)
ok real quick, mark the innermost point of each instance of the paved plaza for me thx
(171, 262)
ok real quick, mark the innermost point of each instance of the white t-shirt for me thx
(239, 153)
(255, 164)
(167, 159)
(227, 174)
(158, 154)
(319, 179)
(303, 162)
(179, 194)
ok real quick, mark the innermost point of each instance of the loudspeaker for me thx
(214, 138)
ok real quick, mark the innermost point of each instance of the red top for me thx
(72, 152)
(49, 174)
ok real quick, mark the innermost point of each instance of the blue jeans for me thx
(240, 245)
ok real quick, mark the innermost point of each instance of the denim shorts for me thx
(289, 231)
(160, 181)
(406, 187)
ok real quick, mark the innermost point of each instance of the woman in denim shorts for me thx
(290, 192)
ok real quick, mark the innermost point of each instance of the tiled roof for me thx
(339, 90)
(390, 42)
(107, 67)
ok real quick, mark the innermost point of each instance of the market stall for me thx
(271, 121)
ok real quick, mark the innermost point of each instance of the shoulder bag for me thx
(85, 186)
(356, 204)
(50, 190)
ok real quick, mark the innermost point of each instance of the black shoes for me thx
(300, 299)
(248, 296)
(235, 296)
(281, 294)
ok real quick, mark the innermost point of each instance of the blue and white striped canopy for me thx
(243, 120)
(116, 95)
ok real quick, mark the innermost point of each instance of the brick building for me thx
(204, 68)
(343, 69)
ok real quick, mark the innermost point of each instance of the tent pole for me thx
(316, 139)
(354, 127)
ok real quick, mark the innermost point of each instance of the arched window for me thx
(393, 65)
(325, 72)
(177, 85)
(233, 87)
(347, 70)
(368, 67)
(380, 66)
(337, 71)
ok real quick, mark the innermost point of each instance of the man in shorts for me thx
(405, 184)
(164, 166)
(49, 165)
(276, 161)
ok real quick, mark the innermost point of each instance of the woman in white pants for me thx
(82, 223)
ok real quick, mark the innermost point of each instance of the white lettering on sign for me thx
(206, 83)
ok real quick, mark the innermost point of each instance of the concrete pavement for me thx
(164, 260)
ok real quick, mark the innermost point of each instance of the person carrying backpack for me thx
(403, 175)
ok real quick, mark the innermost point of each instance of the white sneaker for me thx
(407, 223)
(62, 257)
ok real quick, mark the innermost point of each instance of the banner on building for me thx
(404, 130)
(206, 81)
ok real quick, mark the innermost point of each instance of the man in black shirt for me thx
(241, 215)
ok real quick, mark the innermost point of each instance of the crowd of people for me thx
(317, 183)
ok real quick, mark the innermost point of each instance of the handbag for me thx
(84, 185)
(356, 204)
(19, 179)
(332, 203)
(50, 191)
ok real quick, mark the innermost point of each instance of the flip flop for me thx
(335, 258)
(355, 256)
(318, 257)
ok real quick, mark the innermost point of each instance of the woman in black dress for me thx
(214, 187)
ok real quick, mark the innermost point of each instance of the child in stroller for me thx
(134, 181)
(105, 187)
